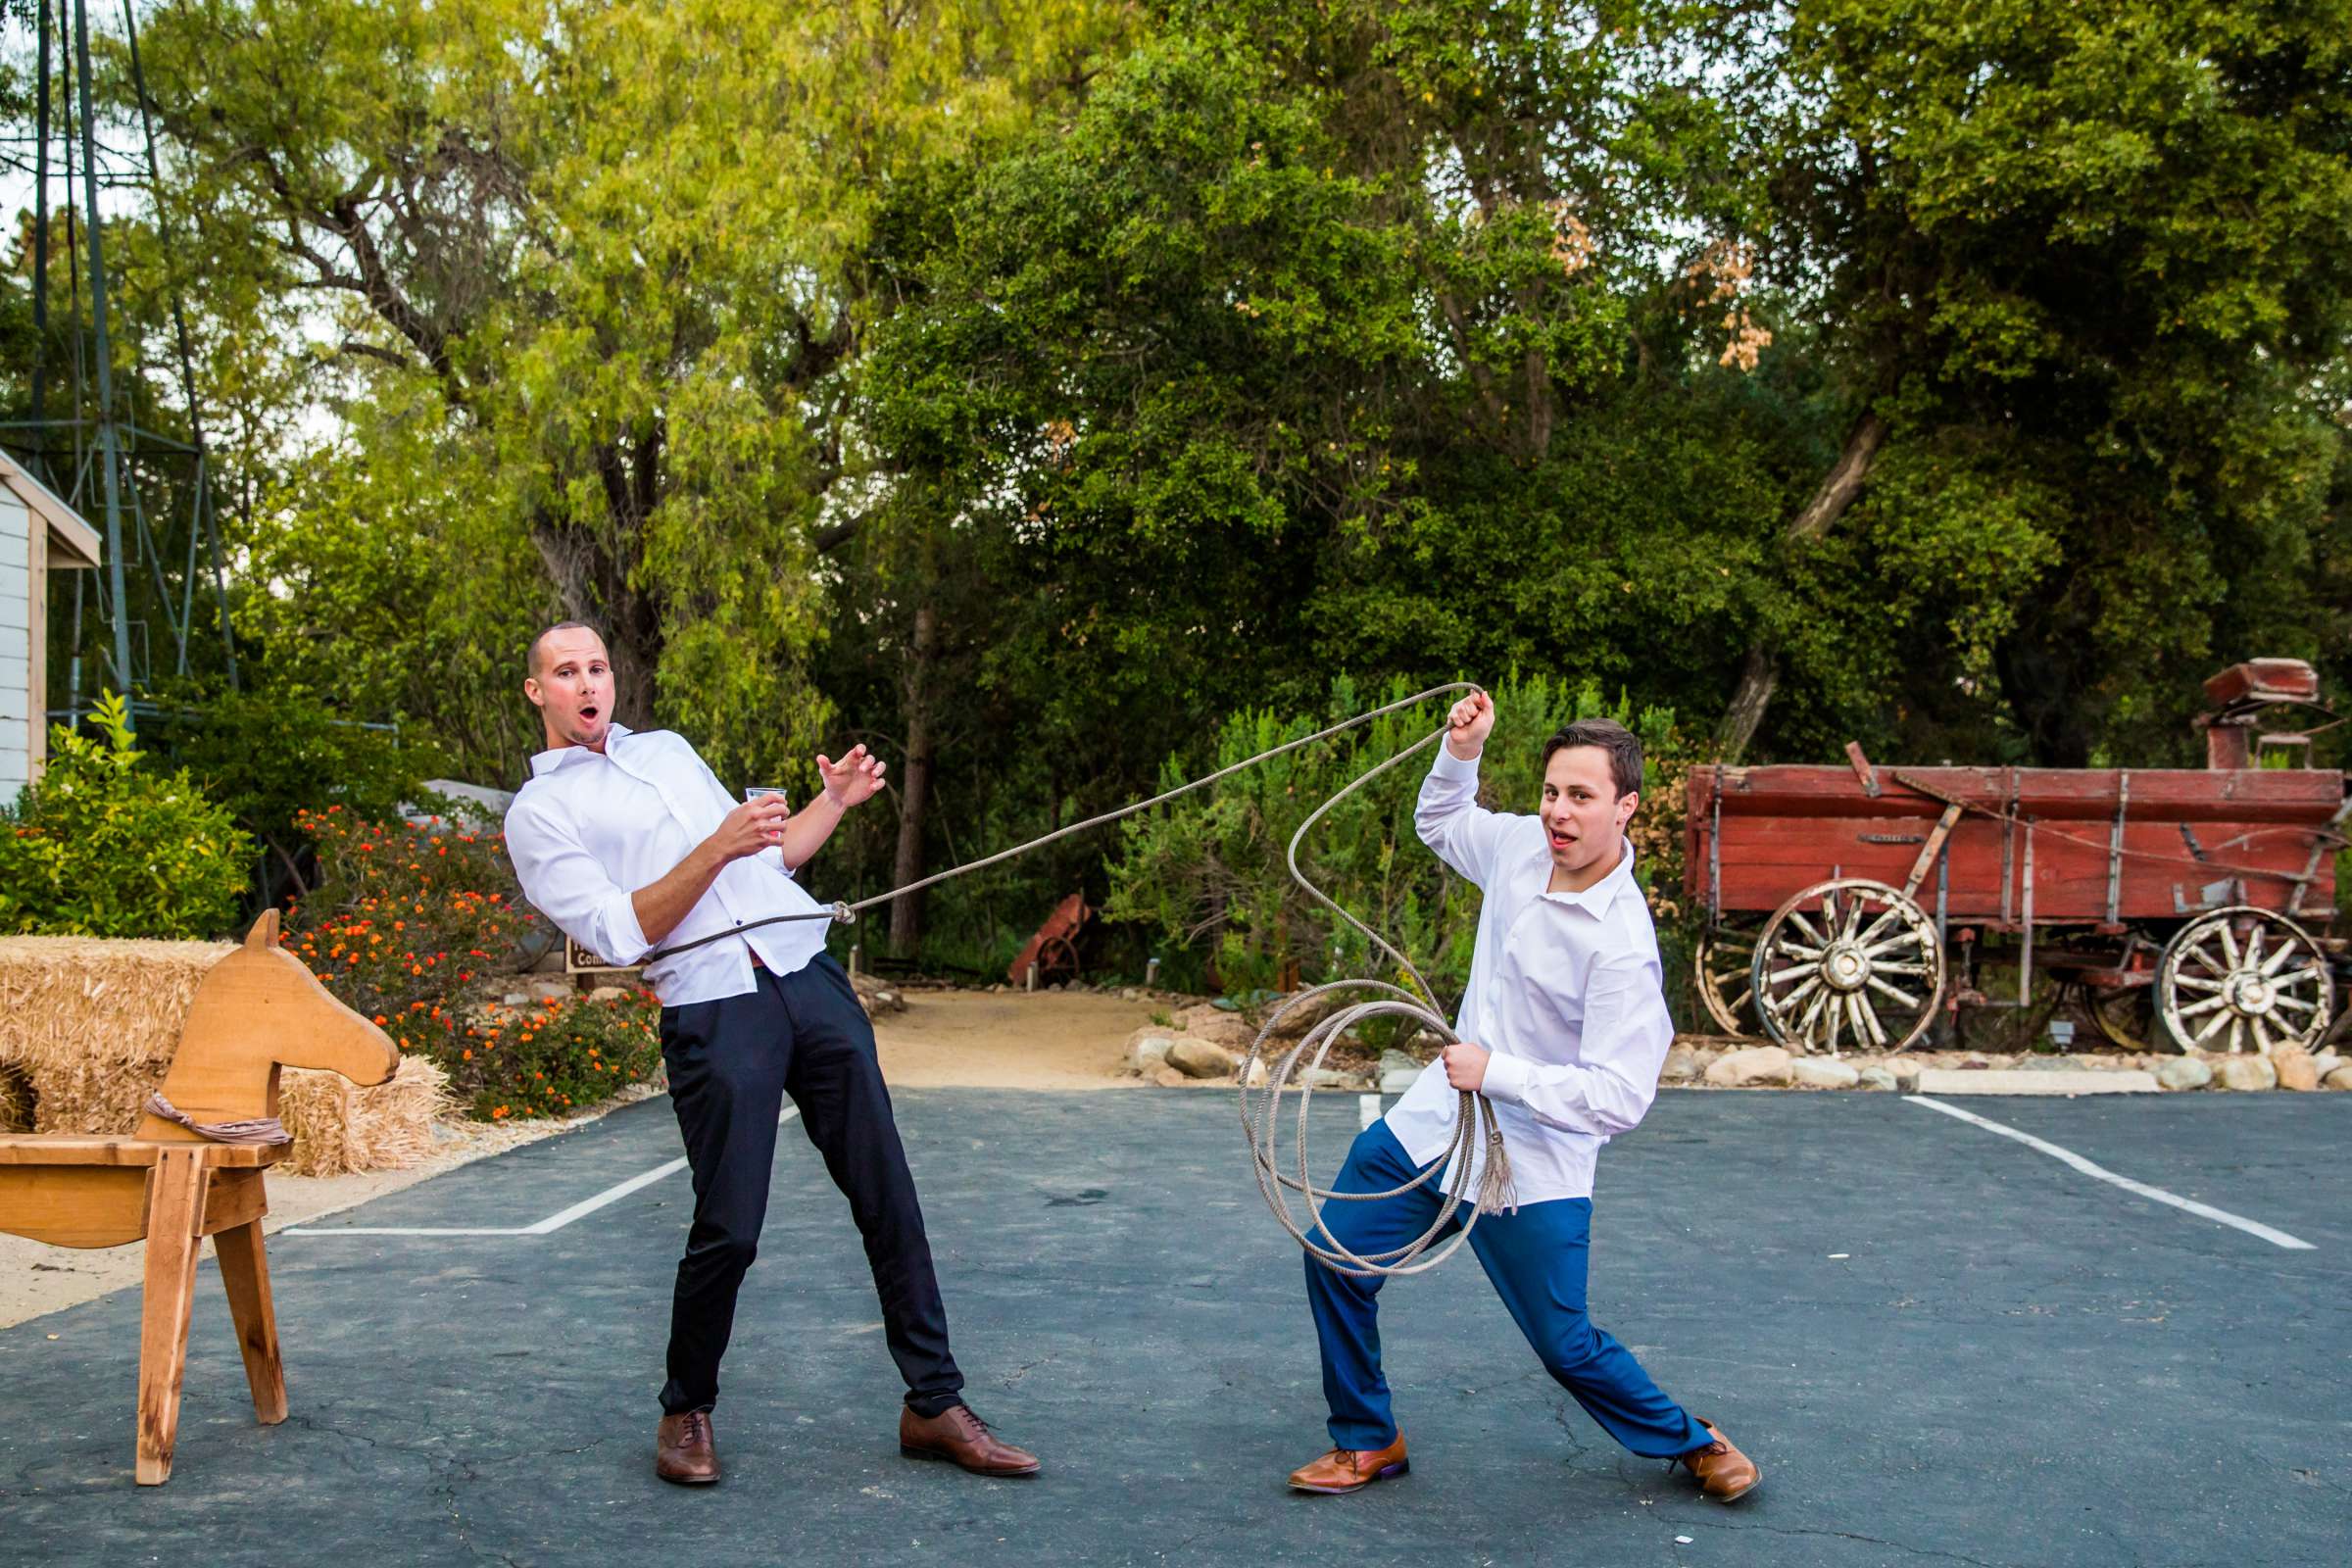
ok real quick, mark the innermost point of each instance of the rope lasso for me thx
(1475, 1121)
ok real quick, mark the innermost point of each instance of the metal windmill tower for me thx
(154, 492)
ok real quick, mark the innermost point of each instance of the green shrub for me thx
(102, 845)
(1209, 872)
(546, 1061)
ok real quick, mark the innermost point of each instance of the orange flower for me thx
(381, 1018)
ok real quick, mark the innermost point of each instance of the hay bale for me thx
(16, 1100)
(340, 1127)
(91, 1024)
(66, 1002)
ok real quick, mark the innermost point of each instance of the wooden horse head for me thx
(258, 1010)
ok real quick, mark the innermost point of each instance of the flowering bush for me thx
(107, 845)
(413, 926)
(546, 1060)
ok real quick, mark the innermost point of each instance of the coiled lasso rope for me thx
(1474, 1121)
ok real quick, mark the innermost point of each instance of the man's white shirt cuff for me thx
(1505, 1080)
(1448, 765)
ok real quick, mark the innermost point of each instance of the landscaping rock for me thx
(2245, 1073)
(1147, 1050)
(1200, 1058)
(2023, 1080)
(1820, 1072)
(1169, 1078)
(1400, 1082)
(1682, 1064)
(2295, 1069)
(1217, 1027)
(2341, 1078)
(2184, 1072)
(2326, 1061)
(1880, 1078)
(1753, 1066)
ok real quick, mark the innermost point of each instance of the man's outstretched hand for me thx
(1469, 724)
(853, 779)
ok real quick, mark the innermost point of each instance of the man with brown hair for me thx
(1564, 1028)
(627, 841)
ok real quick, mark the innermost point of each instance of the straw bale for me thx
(339, 1127)
(91, 1024)
(16, 1100)
(66, 1001)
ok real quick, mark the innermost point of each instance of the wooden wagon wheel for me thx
(2241, 977)
(1723, 966)
(2124, 1016)
(1864, 963)
(1057, 954)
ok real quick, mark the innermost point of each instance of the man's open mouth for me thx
(589, 712)
(1560, 841)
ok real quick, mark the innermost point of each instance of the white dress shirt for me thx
(1564, 990)
(590, 828)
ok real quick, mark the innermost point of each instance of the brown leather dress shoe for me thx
(1352, 1469)
(962, 1437)
(1723, 1473)
(685, 1449)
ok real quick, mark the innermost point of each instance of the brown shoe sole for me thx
(1735, 1496)
(1382, 1474)
(912, 1452)
(684, 1480)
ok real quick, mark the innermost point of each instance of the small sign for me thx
(581, 961)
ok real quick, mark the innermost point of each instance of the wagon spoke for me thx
(2296, 1003)
(1791, 948)
(2197, 951)
(1901, 939)
(2238, 1031)
(1796, 918)
(1877, 926)
(2299, 977)
(1837, 1016)
(1778, 975)
(2229, 944)
(2207, 1005)
(2258, 1027)
(1830, 921)
(2206, 1033)
(1740, 1001)
(2278, 960)
(2190, 982)
(2253, 957)
(1804, 1025)
(1900, 968)
(1903, 997)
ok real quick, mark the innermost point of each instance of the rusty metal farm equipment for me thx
(2174, 907)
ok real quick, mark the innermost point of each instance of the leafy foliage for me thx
(105, 846)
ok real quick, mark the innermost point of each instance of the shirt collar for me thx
(549, 761)
(1596, 899)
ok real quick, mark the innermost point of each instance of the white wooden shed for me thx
(39, 534)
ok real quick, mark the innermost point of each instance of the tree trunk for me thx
(914, 786)
(1762, 670)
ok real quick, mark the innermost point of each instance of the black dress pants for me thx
(730, 1062)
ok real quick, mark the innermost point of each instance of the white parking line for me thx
(554, 1223)
(2275, 1237)
(1367, 1109)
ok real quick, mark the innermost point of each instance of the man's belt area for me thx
(838, 912)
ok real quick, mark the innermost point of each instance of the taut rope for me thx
(1475, 1121)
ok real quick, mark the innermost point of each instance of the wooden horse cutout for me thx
(258, 1010)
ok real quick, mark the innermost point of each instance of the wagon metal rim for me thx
(2243, 978)
(1865, 965)
(1723, 972)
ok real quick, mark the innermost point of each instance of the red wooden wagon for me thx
(2171, 906)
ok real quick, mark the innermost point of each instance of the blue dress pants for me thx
(1535, 1257)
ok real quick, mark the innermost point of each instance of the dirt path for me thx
(1007, 1039)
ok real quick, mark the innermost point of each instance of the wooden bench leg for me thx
(174, 1203)
(245, 1270)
